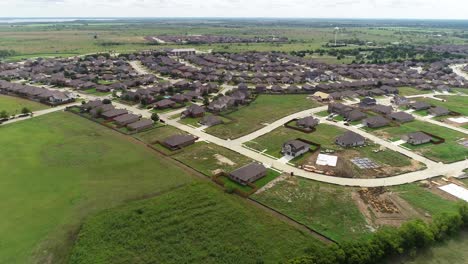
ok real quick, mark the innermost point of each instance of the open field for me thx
(208, 158)
(193, 224)
(453, 103)
(450, 151)
(58, 169)
(158, 134)
(325, 135)
(265, 109)
(326, 208)
(13, 105)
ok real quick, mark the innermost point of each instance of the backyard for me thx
(453, 103)
(193, 224)
(60, 168)
(265, 109)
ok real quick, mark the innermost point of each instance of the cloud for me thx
(236, 8)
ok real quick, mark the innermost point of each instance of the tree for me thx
(25, 110)
(155, 117)
(106, 101)
(206, 101)
(4, 114)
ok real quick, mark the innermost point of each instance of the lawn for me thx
(96, 93)
(207, 158)
(454, 103)
(407, 91)
(425, 200)
(265, 109)
(13, 105)
(447, 152)
(325, 135)
(195, 224)
(325, 208)
(59, 168)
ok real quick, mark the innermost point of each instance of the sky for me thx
(421, 9)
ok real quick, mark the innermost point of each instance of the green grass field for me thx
(265, 109)
(447, 152)
(326, 208)
(13, 105)
(324, 135)
(407, 91)
(194, 224)
(58, 169)
(158, 134)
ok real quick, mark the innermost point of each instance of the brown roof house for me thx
(375, 121)
(126, 119)
(420, 106)
(307, 122)
(179, 141)
(249, 173)
(350, 139)
(165, 103)
(111, 114)
(417, 138)
(355, 115)
(438, 111)
(140, 125)
(401, 117)
(193, 111)
(96, 111)
(382, 109)
(295, 148)
(211, 120)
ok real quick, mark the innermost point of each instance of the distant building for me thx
(182, 52)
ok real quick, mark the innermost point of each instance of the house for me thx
(438, 111)
(111, 114)
(165, 103)
(420, 106)
(193, 111)
(400, 100)
(221, 104)
(248, 173)
(295, 148)
(382, 109)
(321, 96)
(181, 52)
(179, 141)
(339, 108)
(211, 120)
(140, 125)
(417, 138)
(350, 139)
(91, 104)
(401, 117)
(126, 119)
(355, 115)
(96, 111)
(307, 122)
(180, 98)
(376, 122)
(367, 102)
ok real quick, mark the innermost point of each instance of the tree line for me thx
(388, 242)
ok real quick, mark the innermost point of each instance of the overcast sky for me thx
(437, 9)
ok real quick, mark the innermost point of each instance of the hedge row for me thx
(390, 241)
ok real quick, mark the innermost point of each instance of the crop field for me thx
(325, 135)
(447, 152)
(58, 169)
(325, 208)
(208, 158)
(193, 224)
(265, 109)
(453, 103)
(13, 105)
